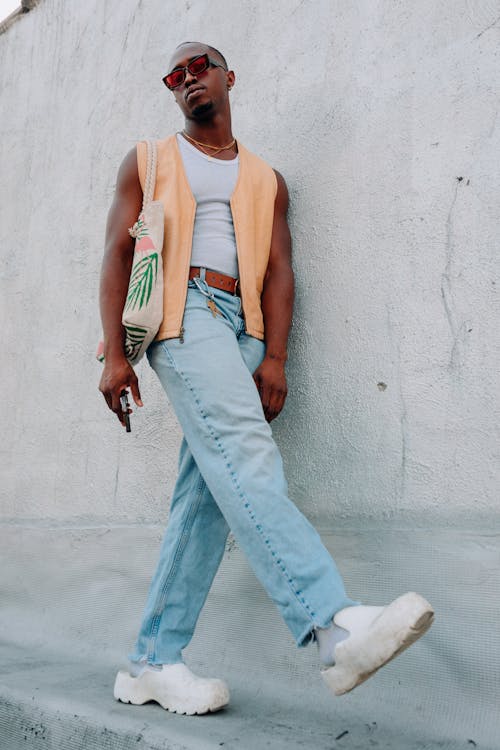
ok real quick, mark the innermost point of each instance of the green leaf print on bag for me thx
(134, 339)
(141, 283)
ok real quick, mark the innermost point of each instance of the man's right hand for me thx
(117, 376)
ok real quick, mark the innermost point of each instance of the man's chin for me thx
(202, 110)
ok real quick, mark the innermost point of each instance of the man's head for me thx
(200, 95)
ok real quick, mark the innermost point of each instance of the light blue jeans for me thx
(230, 477)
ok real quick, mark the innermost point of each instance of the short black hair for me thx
(214, 50)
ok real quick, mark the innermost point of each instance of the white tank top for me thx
(212, 182)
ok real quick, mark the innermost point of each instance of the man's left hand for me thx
(270, 380)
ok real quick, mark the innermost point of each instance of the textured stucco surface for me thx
(383, 117)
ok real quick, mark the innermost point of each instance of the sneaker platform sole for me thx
(129, 689)
(399, 625)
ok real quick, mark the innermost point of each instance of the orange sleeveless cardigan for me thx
(252, 208)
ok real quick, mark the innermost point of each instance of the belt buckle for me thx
(236, 285)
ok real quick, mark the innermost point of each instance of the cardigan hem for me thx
(175, 334)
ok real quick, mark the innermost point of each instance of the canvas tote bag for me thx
(143, 310)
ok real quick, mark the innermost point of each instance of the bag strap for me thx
(150, 182)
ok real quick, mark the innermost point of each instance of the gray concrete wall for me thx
(383, 117)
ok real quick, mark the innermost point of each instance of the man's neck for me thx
(216, 131)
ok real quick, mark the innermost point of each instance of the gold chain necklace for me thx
(216, 149)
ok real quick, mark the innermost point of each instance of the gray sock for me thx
(327, 639)
(137, 668)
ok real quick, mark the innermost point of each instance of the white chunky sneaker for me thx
(175, 688)
(376, 635)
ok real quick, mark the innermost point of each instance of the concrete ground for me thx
(51, 702)
(71, 605)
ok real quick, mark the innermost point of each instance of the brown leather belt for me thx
(218, 280)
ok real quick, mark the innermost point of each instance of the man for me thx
(220, 355)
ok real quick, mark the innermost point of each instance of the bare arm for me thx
(115, 274)
(277, 309)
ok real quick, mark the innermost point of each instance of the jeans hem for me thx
(155, 662)
(307, 635)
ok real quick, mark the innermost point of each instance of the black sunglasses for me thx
(195, 67)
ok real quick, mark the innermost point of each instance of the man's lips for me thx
(193, 91)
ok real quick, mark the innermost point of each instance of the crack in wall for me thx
(494, 126)
(494, 23)
(117, 476)
(447, 291)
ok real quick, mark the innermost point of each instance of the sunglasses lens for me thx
(198, 65)
(195, 67)
(174, 79)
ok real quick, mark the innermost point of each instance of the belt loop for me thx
(202, 284)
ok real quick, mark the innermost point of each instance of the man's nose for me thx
(190, 78)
